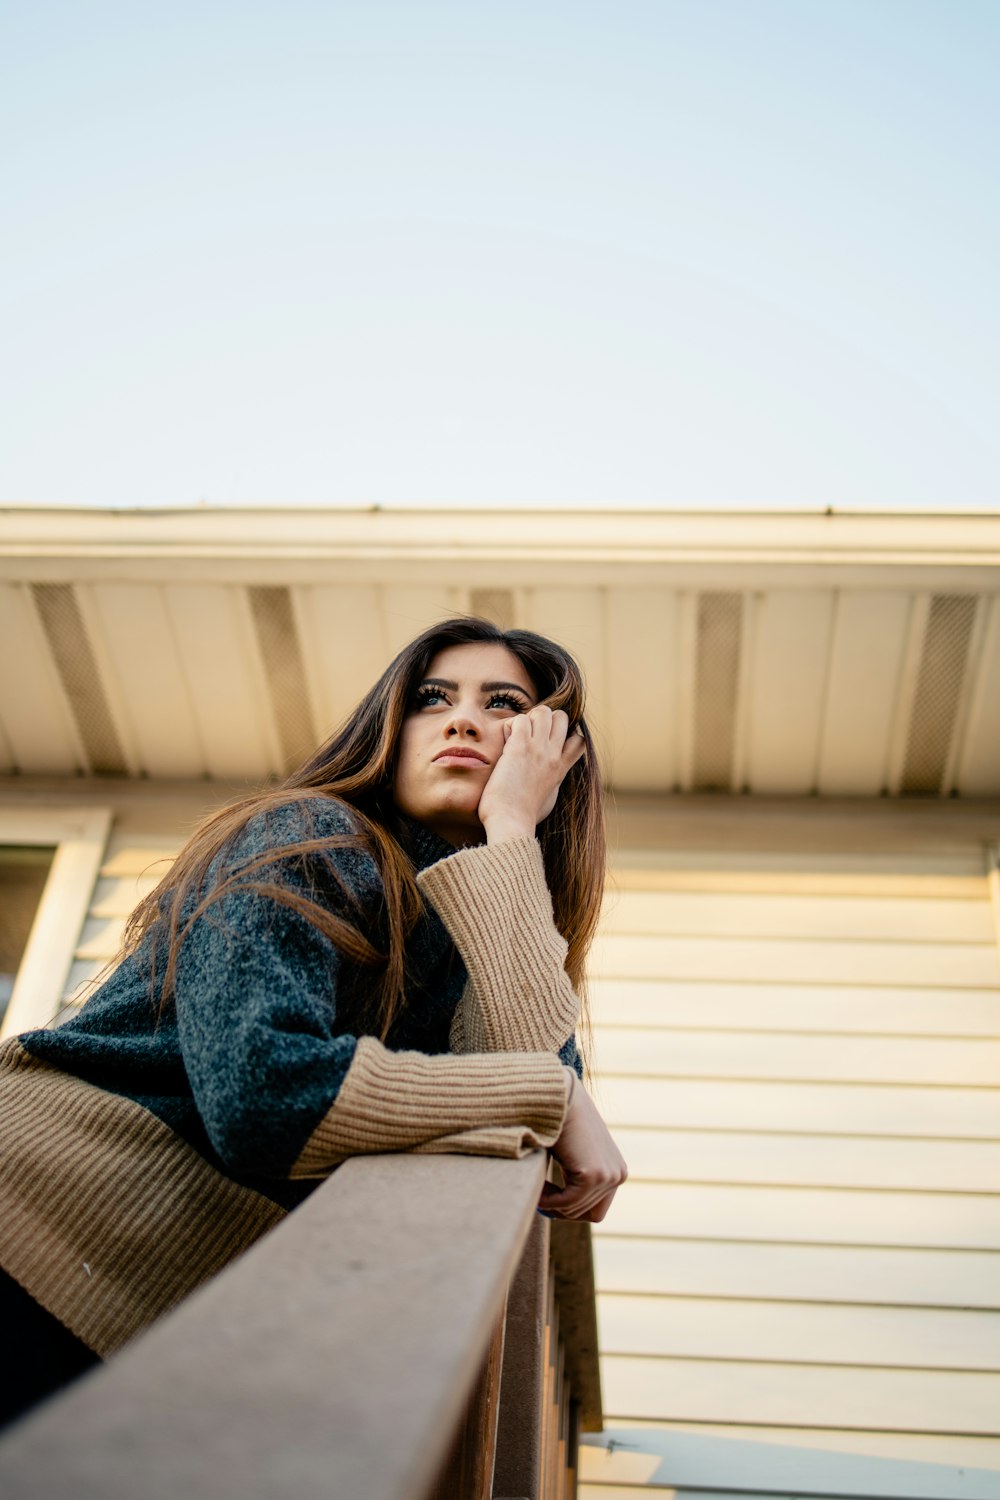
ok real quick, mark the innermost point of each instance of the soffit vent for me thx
(274, 623)
(717, 670)
(939, 690)
(73, 654)
(493, 604)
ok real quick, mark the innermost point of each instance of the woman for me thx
(363, 959)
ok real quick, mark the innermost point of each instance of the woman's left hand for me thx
(524, 783)
(592, 1165)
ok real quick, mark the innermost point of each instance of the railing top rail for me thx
(333, 1358)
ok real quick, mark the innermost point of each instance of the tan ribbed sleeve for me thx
(397, 1101)
(495, 903)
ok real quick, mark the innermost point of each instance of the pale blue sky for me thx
(688, 253)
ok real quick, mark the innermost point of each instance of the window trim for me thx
(993, 881)
(80, 836)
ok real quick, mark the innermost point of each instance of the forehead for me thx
(478, 662)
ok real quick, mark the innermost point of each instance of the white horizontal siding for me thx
(800, 1273)
(790, 960)
(804, 1216)
(821, 1059)
(799, 1333)
(799, 1108)
(135, 862)
(748, 1006)
(688, 914)
(805, 1081)
(116, 896)
(811, 1160)
(772, 1393)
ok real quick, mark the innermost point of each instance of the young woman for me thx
(384, 953)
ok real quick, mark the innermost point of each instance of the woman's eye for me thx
(430, 697)
(506, 700)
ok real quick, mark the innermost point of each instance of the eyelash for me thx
(504, 698)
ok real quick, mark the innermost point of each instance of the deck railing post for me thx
(550, 1389)
(520, 1429)
(468, 1470)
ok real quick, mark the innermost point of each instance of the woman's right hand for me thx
(591, 1163)
(523, 786)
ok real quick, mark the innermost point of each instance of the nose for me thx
(462, 724)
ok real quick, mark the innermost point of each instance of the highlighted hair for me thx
(356, 766)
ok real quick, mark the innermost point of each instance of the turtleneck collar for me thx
(423, 845)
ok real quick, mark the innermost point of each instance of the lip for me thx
(461, 754)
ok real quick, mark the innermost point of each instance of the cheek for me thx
(405, 761)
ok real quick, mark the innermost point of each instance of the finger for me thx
(564, 1201)
(593, 1211)
(583, 1193)
(553, 1203)
(560, 725)
(575, 1200)
(576, 743)
(574, 749)
(567, 1207)
(600, 1210)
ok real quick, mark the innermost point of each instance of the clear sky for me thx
(682, 253)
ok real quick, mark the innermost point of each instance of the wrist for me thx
(503, 830)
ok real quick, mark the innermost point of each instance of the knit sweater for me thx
(145, 1145)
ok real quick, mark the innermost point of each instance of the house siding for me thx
(798, 1054)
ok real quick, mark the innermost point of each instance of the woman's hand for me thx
(524, 783)
(592, 1165)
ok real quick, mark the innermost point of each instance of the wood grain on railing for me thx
(356, 1351)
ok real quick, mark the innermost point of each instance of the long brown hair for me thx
(357, 766)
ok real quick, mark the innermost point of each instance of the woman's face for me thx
(453, 736)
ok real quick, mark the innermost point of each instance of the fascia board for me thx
(265, 541)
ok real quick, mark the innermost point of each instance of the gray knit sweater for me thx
(148, 1144)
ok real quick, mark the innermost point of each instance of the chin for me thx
(458, 824)
(450, 819)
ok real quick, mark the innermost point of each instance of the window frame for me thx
(993, 881)
(79, 836)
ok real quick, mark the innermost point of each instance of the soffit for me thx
(836, 655)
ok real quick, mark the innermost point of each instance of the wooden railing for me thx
(415, 1331)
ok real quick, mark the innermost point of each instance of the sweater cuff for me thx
(395, 1101)
(495, 903)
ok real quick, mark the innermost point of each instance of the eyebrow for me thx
(484, 687)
